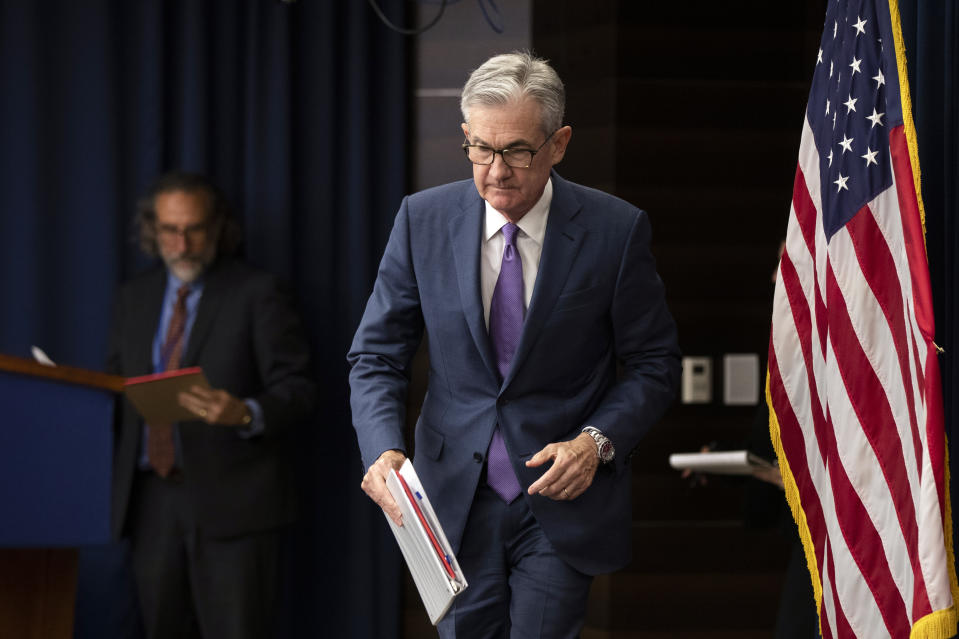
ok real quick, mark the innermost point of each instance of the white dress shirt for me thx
(529, 242)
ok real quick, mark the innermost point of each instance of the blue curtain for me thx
(931, 33)
(299, 111)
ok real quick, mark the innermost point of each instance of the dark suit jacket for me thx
(250, 343)
(597, 300)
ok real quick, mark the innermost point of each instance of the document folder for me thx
(427, 552)
(155, 396)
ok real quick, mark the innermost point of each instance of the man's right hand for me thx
(374, 483)
(772, 474)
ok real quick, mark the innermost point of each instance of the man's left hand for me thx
(574, 465)
(215, 406)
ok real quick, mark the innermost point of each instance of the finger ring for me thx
(566, 492)
(202, 412)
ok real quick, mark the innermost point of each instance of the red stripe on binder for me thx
(429, 531)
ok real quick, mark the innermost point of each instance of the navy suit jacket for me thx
(597, 301)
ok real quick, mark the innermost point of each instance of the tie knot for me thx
(509, 232)
(182, 292)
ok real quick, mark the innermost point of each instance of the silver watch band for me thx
(604, 446)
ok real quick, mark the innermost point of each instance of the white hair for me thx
(512, 76)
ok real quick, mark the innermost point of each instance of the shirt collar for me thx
(173, 284)
(533, 224)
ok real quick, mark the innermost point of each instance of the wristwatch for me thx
(604, 445)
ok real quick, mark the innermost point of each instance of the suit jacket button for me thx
(502, 401)
(478, 457)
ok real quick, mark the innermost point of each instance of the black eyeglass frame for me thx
(492, 158)
(189, 233)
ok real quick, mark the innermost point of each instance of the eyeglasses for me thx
(516, 158)
(168, 232)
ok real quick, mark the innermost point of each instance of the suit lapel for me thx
(213, 288)
(564, 237)
(465, 230)
(146, 322)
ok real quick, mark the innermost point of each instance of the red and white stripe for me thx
(856, 406)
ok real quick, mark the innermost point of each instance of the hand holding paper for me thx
(156, 396)
(770, 474)
(214, 406)
(424, 545)
(374, 483)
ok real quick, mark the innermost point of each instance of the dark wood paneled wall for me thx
(693, 114)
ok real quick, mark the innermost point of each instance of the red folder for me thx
(155, 396)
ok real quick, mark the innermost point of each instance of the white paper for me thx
(40, 356)
(727, 462)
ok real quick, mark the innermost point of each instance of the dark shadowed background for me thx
(316, 118)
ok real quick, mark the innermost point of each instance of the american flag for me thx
(853, 386)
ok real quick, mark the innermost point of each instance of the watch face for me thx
(606, 451)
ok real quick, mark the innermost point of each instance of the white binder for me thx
(424, 545)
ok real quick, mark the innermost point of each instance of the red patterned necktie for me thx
(505, 325)
(160, 448)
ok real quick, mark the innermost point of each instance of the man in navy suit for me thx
(530, 290)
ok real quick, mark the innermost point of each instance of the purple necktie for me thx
(505, 325)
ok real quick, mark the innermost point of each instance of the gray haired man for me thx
(530, 290)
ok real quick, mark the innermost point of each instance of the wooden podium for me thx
(56, 452)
